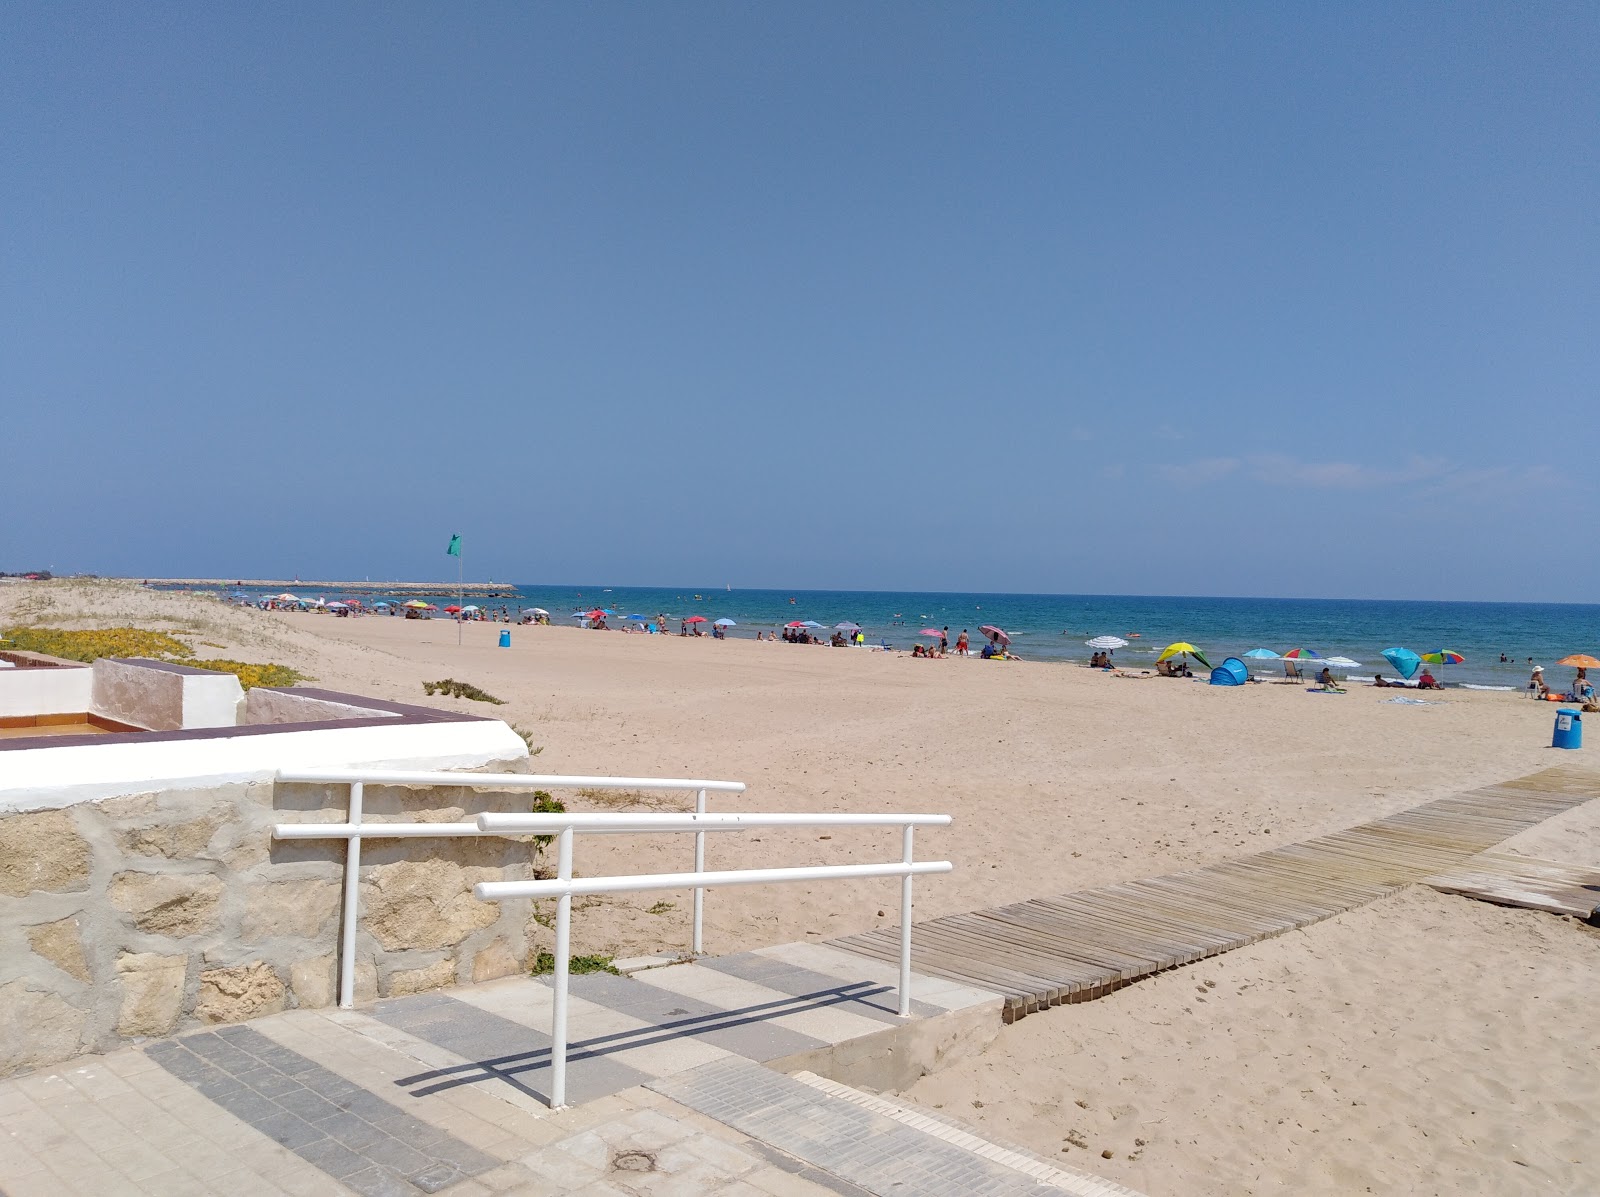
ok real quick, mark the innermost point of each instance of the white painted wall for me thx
(59, 690)
(211, 700)
(50, 778)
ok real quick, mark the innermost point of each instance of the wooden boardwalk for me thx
(1511, 880)
(1084, 945)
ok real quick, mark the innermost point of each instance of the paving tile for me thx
(334, 1158)
(376, 1181)
(392, 1153)
(348, 1134)
(744, 1031)
(863, 997)
(497, 1048)
(42, 1183)
(839, 1139)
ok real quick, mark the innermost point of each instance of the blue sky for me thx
(1240, 299)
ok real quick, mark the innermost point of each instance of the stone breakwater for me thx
(478, 589)
(143, 915)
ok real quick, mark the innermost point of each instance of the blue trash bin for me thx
(1569, 729)
(505, 637)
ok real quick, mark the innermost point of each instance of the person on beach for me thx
(1428, 682)
(961, 645)
(1581, 690)
(944, 640)
(1536, 683)
(1377, 680)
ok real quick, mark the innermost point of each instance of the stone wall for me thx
(165, 697)
(285, 706)
(147, 914)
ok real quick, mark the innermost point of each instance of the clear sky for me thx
(1272, 299)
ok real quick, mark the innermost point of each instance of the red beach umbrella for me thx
(695, 619)
(451, 609)
(998, 633)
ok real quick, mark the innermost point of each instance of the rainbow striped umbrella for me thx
(1443, 656)
(1302, 654)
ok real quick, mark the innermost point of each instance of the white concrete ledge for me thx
(48, 778)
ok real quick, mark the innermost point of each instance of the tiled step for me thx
(871, 1143)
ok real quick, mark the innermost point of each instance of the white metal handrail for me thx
(353, 830)
(565, 886)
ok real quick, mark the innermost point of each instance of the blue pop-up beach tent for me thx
(1231, 672)
(1403, 659)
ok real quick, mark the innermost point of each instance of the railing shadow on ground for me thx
(507, 1068)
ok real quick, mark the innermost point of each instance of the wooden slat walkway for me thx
(1511, 880)
(1080, 946)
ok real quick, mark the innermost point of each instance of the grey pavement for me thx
(445, 1092)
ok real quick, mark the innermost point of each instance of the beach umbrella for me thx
(1183, 648)
(811, 623)
(1443, 656)
(417, 604)
(1404, 661)
(597, 613)
(794, 623)
(1262, 654)
(725, 622)
(999, 634)
(847, 626)
(337, 604)
(637, 618)
(1580, 661)
(468, 607)
(1106, 642)
(383, 603)
(451, 609)
(1302, 654)
(1343, 663)
(539, 611)
(580, 615)
(695, 619)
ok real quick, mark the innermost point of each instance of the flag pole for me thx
(461, 593)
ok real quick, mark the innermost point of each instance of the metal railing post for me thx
(696, 940)
(905, 926)
(352, 895)
(558, 1010)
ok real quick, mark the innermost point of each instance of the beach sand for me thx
(1467, 1029)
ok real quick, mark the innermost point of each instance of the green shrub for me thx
(545, 964)
(254, 675)
(454, 689)
(93, 644)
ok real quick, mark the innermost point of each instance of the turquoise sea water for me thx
(1054, 626)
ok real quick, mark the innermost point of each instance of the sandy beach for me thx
(1423, 1044)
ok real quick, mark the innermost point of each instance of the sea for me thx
(1053, 627)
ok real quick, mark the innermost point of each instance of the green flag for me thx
(455, 546)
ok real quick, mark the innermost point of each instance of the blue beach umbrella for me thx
(725, 622)
(1263, 654)
(1404, 660)
(636, 618)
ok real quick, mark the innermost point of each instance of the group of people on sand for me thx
(1100, 660)
(1582, 689)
